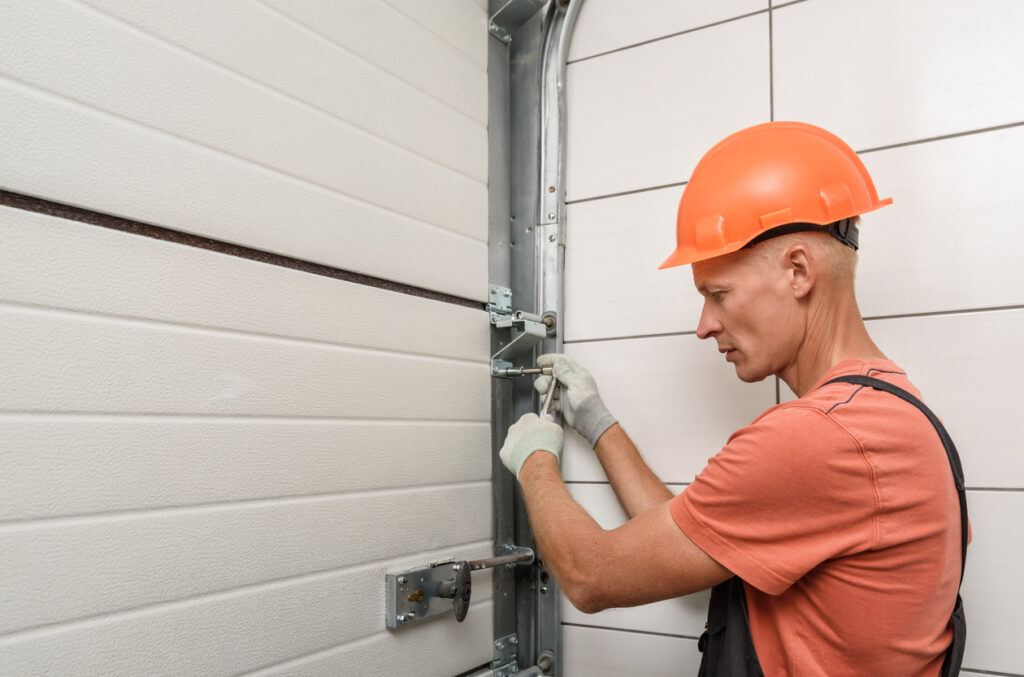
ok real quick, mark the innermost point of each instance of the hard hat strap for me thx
(844, 230)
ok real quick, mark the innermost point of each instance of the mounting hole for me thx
(544, 577)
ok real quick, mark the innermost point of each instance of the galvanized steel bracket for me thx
(511, 16)
(528, 329)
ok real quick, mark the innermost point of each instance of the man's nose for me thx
(708, 325)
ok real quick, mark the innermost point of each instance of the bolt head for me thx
(500, 645)
(401, 618)
(494, 290)
(507, 294)
(551, 215)
(513, 640)
(402, 580)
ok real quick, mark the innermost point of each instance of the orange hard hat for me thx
(777, 176)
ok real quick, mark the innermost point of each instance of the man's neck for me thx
(832, 336)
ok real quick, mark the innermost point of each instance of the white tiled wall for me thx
(918, 85)
(209, 463)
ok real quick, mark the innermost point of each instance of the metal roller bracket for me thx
(528, 329)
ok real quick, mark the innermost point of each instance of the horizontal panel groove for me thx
(60, 210)
(915, 142)
(630, 630)
(217, 331)
(628, 337)
(239, 591)
(115, 417)
(978, 671)
(667, 37)
(277, 92)
(625, 192)
(8, 526)
(128, 415)
(940, 313)
(353, 644)
(323, 36)
(943, 137)
(1003, 489)
(935, 313)
(32, 90)
(436, 34)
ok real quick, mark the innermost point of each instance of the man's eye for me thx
(716, 296)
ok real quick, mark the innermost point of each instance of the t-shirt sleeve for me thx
(786, 493)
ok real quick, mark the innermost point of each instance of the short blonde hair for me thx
(841, 259)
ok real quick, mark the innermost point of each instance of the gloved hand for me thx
(578, 399)
(529, 434)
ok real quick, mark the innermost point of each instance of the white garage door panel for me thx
(682, 616)
(60, 570)
(993, 591)
(448, 19)
(593, 652)
(235, 631)
(114, 68)
(260, 43)
(917, 68)
(57, 263)
(77, 465)
(643, 117)
(951, 239)
(650, 385)
(436, 649)
(613, 249)
(119, 167)
(392, 41)
(969, 371)
(70, 362)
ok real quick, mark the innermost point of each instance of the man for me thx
(836, 510)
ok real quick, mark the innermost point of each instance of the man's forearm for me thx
(633, 481)
(567, 536)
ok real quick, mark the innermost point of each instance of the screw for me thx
(508, 294)
(543, 589)
(412, 614)
(456, 567)
(513, 640)
(494, 290)
(493, 26)
(401, 618)
(402, 580)
(551, 215)
(500, 645)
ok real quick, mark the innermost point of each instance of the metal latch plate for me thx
(412, 596)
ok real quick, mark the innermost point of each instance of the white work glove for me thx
(577, 399)
(529, 434)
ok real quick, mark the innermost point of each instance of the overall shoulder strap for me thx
(947, 443)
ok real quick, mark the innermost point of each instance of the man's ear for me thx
(801, 269)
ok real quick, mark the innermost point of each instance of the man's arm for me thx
(635, 484)
(645, 560)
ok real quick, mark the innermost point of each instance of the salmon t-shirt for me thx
(838, 511)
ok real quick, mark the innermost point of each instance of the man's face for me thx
(750, 311)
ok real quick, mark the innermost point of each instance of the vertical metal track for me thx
(527, 254)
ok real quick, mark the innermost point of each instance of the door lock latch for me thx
(417, 594)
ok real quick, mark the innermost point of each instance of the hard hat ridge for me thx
(776, 174)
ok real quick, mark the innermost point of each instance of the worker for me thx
(829, 527)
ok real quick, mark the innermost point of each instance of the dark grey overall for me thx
(727, 646)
